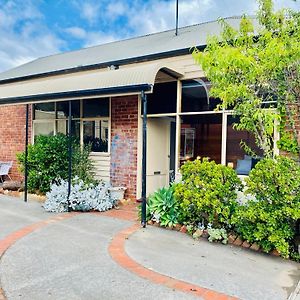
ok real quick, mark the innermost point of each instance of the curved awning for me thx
(102, 82)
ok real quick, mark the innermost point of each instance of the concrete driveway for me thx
(96, 256)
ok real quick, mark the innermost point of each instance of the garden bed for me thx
(19, 194)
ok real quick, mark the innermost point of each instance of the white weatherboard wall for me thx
(101, 164)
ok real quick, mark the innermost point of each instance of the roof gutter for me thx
(120, 62)
(75, 94)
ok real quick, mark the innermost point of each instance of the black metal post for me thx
(144, 159)
(70, 153)
(26, 156)
(176, 32)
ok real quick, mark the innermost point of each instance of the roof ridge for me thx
(142, 36)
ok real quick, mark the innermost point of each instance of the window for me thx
(44, 111)
(43, 128)
(195, 96)
(235, 154)
(62, 109)
(95, 108)
(90, 121)
(96, 134)
(201, 136)
(163, 98)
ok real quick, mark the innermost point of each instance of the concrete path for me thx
(96, 256)
(15, 214)
(228, 269)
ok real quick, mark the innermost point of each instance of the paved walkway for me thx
(107, 256)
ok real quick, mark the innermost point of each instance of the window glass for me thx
(163, 99)
(195, 97)
(62, 126)
(201, 136)
(75, 128)
(95, 108)
(235, 154)
(62, 109)
(44, 111)
(96, 134)
(43, 128)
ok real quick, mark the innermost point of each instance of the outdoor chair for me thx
(4, 169)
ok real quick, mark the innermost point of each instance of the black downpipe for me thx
(26, 156)
(176, 32)
(144, 159)
(69, 153)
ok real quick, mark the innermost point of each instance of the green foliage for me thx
(270, 219)
(249, 67)
(288, 143)
(207, 193)
(190, 229)
(163, 207)
(295, 256)
(217, 235)
(48, 160)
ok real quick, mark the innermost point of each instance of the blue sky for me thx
(33, 28)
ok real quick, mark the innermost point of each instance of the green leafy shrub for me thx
(48, 160)
(207, 193)
(270, 219)
(163, 207)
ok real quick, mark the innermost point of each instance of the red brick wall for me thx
(12, 135)
(295, 110)
(124, 141)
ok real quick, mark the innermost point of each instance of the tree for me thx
(255, 70)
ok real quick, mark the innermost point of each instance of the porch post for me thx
(224, 138)
(69, 153)
(144, 159)
(26, 156)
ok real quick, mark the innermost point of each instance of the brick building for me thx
(105, 84)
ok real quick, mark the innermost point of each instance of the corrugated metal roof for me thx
(147, 45)
(94, 82)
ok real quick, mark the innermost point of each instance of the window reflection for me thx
(43, 128)
(96, 108)
(195, 96)
(62, 109)
(201, 136)
(44, 111)
(93, 128)
(236, 157)
(95, 133)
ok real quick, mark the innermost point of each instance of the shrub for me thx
(83, 197)
(207, 193)
(270, 219)
(48, 160)
(163, 207)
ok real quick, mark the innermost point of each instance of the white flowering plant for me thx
(83, 197)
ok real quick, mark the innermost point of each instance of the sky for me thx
(35, 28)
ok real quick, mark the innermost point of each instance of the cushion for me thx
(243, 166)
(247, 157)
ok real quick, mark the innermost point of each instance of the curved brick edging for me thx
(117, 252)
(9, 240)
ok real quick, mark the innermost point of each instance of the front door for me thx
(159, 156)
